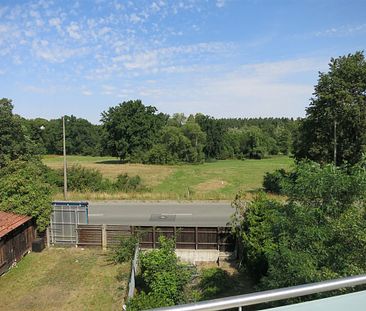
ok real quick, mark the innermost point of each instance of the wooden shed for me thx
(17, 233)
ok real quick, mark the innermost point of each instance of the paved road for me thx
(160, 213)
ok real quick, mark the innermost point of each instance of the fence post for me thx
(104, 237)
(196, 237)
(48, 237)
(153, 238)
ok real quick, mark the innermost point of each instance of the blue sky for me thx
(225, 58)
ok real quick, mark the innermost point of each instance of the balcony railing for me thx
(270, 295)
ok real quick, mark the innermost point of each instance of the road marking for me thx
(96, 215)
(176, 214)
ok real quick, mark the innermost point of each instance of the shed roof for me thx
(10, 221)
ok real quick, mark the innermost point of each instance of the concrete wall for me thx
(196, 255)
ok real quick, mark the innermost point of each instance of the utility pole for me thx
(65, 163)
(335, 142)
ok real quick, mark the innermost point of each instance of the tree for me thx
(131, 129)
(214, 135)
(318, 233)
(197, 138)
(13, 142)
(24, 189)
(334, 129)
(82, 137)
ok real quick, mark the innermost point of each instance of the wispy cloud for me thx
(87, 93)
(281, 88)
(221, 3)
(342, 31)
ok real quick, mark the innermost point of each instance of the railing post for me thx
(104, 237)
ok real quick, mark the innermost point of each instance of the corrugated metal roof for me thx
(10, 221)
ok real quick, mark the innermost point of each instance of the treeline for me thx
(134, 132)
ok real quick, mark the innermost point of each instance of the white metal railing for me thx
(270, 295)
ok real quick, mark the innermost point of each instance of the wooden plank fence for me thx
(216, 238)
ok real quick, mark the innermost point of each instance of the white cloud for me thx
(37, 89)
(74, 31)
(220, 3)
(108, 89)
(280, 88)
(342, 31)
(134, 18)
(56, 22)
(87, 93)
(172, 59)
(55, 53)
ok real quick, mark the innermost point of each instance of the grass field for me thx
(218, 180)
(63, 279)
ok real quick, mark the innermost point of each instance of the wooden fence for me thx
(218, 238)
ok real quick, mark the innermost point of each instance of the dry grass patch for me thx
(151, 175)
(64, 279)
(211, 185)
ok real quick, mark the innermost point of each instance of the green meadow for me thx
(218, 180)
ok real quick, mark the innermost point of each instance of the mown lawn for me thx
(219, 180)
(64, 279)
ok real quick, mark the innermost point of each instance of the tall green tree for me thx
(214, 131)
(82, 137)
(131, 128)
(13, 141)
(24, 189)
(334, 129)
(318, 233)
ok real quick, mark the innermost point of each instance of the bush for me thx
(127, 184)
(81, 179)
(273, 182)
(143, 301)
(85, 179)
(24, 190)
(159, 154)
(124, 251)
(163, 275)
(213, 282)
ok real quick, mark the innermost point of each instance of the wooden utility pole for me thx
(65, 163)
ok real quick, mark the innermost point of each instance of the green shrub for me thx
(159, 154)
(24, 189)
(163, 274)
(127, 184)
(143, 301)
(213, 282)
(273, 182)
(84, 179)
(124, 251)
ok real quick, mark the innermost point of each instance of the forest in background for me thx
(137, 133)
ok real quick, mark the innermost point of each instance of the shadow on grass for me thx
(111, 162)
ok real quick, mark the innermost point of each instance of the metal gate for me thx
(64, 220)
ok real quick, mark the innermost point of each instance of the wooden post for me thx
(48, 237)
(153, 237)
(104, 237)
(218, 238)
(196, 236)
(175, 236)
